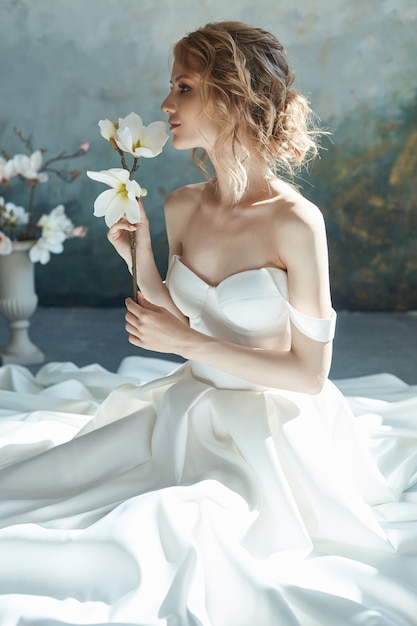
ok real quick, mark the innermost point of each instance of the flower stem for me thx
(131, 171)
(134, 273)
(31, 198)
(133, 247)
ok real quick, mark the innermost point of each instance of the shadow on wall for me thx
(369, 199)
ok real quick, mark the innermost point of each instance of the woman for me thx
(237, 490)
(243, 112)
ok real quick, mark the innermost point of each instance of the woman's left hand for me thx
(154, 328)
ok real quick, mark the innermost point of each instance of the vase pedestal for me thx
(18, 302)
(20, 349)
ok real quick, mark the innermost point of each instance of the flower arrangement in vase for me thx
(49, 230)
(27, 238)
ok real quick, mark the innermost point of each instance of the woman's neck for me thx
(259, 186)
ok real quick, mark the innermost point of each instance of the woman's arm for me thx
(305, 366)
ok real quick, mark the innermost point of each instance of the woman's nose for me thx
(167, 106)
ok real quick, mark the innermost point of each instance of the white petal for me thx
(113, 177)
(153, 140)
(43, 220)
(58, 210)
(133, 189)
(115, 209)
(155, 135)
(54, 237)
(34, 254)
(124, 139)
(45, 256)
(136, 127)
(53, 245)
(132, 211)
(38, 252)
(21, 163)
(143, 152)
(36, 160)
(10, 169)
(134, 122)
(107, 129)
(102, 202)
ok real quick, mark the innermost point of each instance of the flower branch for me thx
(127, 135)
(17, 223)
(132, 237)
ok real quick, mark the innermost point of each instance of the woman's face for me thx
(190, 126)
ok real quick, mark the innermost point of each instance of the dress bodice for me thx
(246, 307)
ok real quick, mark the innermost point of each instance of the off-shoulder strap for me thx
(318, 329)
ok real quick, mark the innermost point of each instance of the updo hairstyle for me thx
(246, 84)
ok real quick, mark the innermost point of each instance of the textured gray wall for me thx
(66, 64)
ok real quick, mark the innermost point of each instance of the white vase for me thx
(18, 302)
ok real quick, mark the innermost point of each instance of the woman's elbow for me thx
(313, 377)
(315, 365)
(314, 383)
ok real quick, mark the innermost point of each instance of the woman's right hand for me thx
(119, 235)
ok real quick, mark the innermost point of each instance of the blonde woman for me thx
(238, 490)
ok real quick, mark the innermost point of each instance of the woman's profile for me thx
(239, 488)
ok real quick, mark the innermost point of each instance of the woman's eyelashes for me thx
(184, 88)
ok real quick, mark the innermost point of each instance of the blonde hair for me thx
(246, 81)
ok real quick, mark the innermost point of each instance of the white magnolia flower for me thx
(56, 221)
(108, 129)
(29, 166)
(14, 215)
(56, 228)
(121, 199)
(7, 170)
(131, 135)
(41, 251)
(5, 244)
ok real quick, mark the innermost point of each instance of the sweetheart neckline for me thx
(176, 257)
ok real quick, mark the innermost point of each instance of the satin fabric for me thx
(181, 495)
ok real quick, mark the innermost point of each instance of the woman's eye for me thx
(183, 88)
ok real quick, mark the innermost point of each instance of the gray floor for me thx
(365, 343)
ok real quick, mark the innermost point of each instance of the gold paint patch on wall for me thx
(405, 166)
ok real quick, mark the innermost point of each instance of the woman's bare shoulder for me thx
(299, 227)
(187, 197)
(302, 244)
(294, 208)
(180, 207)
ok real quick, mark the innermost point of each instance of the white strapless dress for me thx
(193, 498)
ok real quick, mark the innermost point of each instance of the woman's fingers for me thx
(134, 315)
(142, 212)
(143, 321)
(121, 225)
(132, 319)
